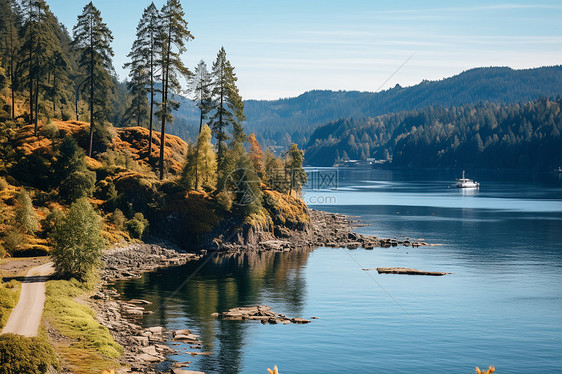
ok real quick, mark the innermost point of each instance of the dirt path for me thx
(26, 316)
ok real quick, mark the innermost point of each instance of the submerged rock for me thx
(261, 313)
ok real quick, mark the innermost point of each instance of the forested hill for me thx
(294, 119)
(486, 135)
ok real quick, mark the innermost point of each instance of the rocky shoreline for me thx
(144, 347)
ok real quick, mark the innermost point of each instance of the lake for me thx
(502, 305)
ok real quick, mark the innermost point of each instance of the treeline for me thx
(50, 74)
(44, 72)
(486, 135)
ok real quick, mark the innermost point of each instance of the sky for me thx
(284, 48)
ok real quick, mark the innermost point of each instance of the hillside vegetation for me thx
(121, 182)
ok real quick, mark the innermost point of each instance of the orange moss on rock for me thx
(285, 210)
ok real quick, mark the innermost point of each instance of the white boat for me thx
(466, 183)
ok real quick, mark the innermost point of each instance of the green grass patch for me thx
(9, 296)
(91, 348)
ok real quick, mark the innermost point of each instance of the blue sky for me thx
(283, 48)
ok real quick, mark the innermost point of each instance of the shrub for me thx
(77, 241)
(50, 130)
(25, 355)
(25, 214)
(13, 240)
(137, 226)
(118, 219)
(54, 216)
(9, 295)
(3, 184)
(105, 189)
(78, 184)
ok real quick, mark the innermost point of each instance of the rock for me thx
(182, 332)
(151, 350)
(187, 338)
(182, 371)
(148, 358)
(143, 340)
(261, 313)
(300, 320)
(156, 330)
(134, 311)
(140, 301)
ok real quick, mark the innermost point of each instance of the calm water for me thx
(502, 306)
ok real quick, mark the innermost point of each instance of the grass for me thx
(9, 296)
(88, 347)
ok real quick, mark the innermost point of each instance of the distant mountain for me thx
(281, 122)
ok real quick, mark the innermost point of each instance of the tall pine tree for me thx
(137, 110)
(9, 45)
(38, 47)
(174, 36)
(201, 85)
(144, 68)
(92, 39)
(227, 104)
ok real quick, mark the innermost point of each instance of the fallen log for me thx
(407, 271)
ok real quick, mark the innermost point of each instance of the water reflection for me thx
(224, 282)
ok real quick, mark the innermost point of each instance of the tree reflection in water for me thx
(226, 281)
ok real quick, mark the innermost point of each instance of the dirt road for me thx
(26, 316)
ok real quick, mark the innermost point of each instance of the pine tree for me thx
(137, 110)
(245, 184)
(296, 173)
(144, 57)
(275, 173)
(59, 68)
(9, 45)
(174, 35)
(228, 105)
(37, 49)
(206, 167)
(201, 83)
(92, 39)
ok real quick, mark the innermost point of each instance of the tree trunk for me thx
(91, 92)
(31, 87)
(151, 103)
(11, 67)
(36, 105)
(165, 75)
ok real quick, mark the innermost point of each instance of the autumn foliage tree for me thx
(257, 156)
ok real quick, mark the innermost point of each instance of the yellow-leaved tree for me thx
(206, 168)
